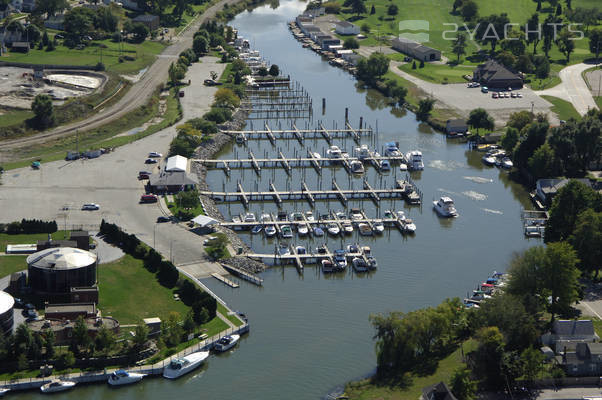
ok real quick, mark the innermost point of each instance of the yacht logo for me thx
(414, 25)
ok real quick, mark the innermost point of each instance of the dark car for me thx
(150, 161)
(163, 219)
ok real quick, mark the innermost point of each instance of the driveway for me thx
(573, 88)
(111, 181)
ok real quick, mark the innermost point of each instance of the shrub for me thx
(351, 43)
(365, 28)
(331, 7)
(218, 115)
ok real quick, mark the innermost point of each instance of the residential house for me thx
(494, 75)
(152, 22)
(455, 127)
(546, 189)
(438, 391)
(586, 360)
(415, 49)
(346, 28)
(303, 19)
(22, 47)
(565, 333)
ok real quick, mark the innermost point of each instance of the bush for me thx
(392, 9)
(218, 115)
(365, 28)
(351, 43)
(203, 125)
(331, 7)
(29, 226)
(99, 66)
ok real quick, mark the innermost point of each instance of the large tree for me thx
(459, 47)
(533, 32)
(595, 41)
(357, 6)
(541, 163)
(560, 277)
(566, 43)
(535, 137)
(51, 7)
(43, 111)
(587, 240)
(491, 29)
(480, 119)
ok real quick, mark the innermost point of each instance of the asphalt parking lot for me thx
(58, 189)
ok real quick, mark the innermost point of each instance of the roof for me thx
(414, 46)
(6, 302)
(153, 320)
(176, 163)
(345, 24)
(145, 18)
(88, 308)
(204, 220)
(456, 123)
(438, 391)
(61, 258)
(551, 185)
(175, 178)
(573, 328)
(20, 44)
(492, 70)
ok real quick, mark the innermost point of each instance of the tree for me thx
(49, 341)
(357, 6)
(588, 141)
(462, 385)
(263, 71)
(566, 43)
(459, 47)
(43, 111)
(491, 29)
(542, 67)
(45, 39)
(532, 360)
(80, 339)
(535, 136)
(392, 9)
(188, 199)
(225, 97)
(587, 240)
(561, 277)
(533, 33)
(274, 70)
(372, 10)
(373, 68)
(519, 120)
(49, 6)
(425, 106)
(188, 325)
(457, 4)
(479, 118)
(510, 139)
(595, 41)
(140, 336)
(78, 22)
(469, 10)
(200, 45)
(351, 43)
(140, 32)
(180, 7)
(558, 10)
(487, 357)
(32, 33)
(105, 340)
(548, 33)
(541, 163)
(172, 331)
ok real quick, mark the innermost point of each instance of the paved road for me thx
(573, 88)
(111, 181)
(138, 94)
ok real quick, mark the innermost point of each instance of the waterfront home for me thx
(346, 28)
(152, 22)
(456, 127)
(438, 391)
(494, 75)
(585, 360)
(567, 332)
(415, 49)
(546, 189)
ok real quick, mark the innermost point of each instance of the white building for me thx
(177, 163)
(346, 28)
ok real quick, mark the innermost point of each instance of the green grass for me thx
(14, 117)
(10, 264)
(144, 54)
(598, 102)
(232, 318)
(175, 209)
(414, 92)
(563, 108)
(5, 238)
(367, 390)
(438, 73)
(129, 293)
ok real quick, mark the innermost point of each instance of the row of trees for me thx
(29, 226)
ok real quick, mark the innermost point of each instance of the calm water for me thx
(311, 333)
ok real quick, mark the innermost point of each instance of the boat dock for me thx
(310, 195)
(300, 134)
(411, 193)
(534, 222)
(225, 280)
(242, 274)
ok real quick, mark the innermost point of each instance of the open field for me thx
(563, 108)
(27, 239)
(10, 264)
(438, 73)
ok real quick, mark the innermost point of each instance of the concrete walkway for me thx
(573, 88)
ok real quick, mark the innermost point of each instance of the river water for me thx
(311, 333)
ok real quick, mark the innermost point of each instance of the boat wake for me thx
(478, 179)
(492, 211)
(444, 165)
(475, 195)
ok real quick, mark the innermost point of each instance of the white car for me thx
(154, 154)
(90, 206)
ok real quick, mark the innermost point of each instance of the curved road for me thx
(138, 94)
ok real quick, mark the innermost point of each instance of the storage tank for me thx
(7, 304)
(57, 270)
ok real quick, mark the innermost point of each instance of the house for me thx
(585, 360)
(170, 182)
(152, 22)
(566, 333)
(327, 42)
(455, 127)
(346, 28)
(177, 163)
(22, 47)
(438, 391)
(129, 4)
(546, 189)
(63, 329)
(415, 49)
(55, 22)
(315, 12)
(494, 75)
(304, 19)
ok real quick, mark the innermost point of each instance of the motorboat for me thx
(347, 227)
(257, 229)
(341, 215)
(409, 226)
(283, 249)
(282, 216)
(318, 231)
(250, 217)
(362, 152)
(379, 227)
(353, 249)
(327, 266)
(385, 165)
(357, 167)
(334, 152)
(403, 167)
(365, 229)
(180, 366)
(340, 259)
(372, 264)
(489, 159)
(240, 139)
(445, 207)
(300, 250)
(366, 250)
(356, 214)
(359, 265)
(57, 386)
(236, 219)
(302, 230)
(317, 155)
(226, 342)
(415, 162)
(392, 150)
(265, 218)
(296, 216)
(309, 216)
(286, 231)
(3, 391)
(389, 214)
(123, 377)
(333, 229)
(507, 163)
(270, 231)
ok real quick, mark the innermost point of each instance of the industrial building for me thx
(55, 271)
(7, 304)
(415, 49)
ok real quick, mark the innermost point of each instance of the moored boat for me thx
(392, 150)
(333, 229)
(372, 264)
(403, 167)
(385, 165)
(300, 250)
(379, 227)
(57, 386)
(327, 266)
(180, 366)
(122, 377)
(359, 265)
(415, 162)
(318, 231)
(347, 227)
(250, 217)
(309, 216)
(507, 163)
(257, 229)
(333, 152)
(364, 229)
(340, 260)
(302, 230)
(357, 167)
(270, 231)
(226, 343)
(3, 391)
(287, 232)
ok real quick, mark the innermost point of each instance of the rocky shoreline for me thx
(208, 150)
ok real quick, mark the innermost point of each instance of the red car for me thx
(148, 198)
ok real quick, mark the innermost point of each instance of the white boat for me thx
(372, 264)
(317, 155)
(296, 216)
(3, 391)
(391, 150)
(302, 230)
(357, 167)
(340, 260)
(445, 207)
(359, 265)
(353, 249)
(287, 232)
(356, 214)
(318, 231)
(270, 231)
(403, 167)
(378, 225)
(333, 229)
(362, 152)
(334, 152)
(283, 250)
(226, 343)
(309, 216)
(56, 386)
(415, 160)
(180, 366)
(265, 218)
(341, 215)
(122, 377)
(365, 229)
(347, 227)
(488, 159)
(327, 266)
(385, 165)
(250, 217)
(409, 226)
(507, 163)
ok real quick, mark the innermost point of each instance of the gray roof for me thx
(174, 178)
(492, 70)
(146, 18)
(573, 328)
(456, 123)
(345, 24)
(552, 185)
(438, 391)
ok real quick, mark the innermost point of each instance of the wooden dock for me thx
(225, 280)
(242, 274)
(300, 134)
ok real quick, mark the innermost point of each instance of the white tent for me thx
(204, 221)
(177, 163)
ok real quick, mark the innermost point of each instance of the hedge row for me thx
(29, 226)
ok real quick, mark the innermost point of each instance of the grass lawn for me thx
(129, 293)
(598, 102)
(563, 108)
(366, 390)
(438, 73)
(5, 238)
(414, 92)
(144, 54)
(14, 117)
(232, 318)
(10, 264)
(175, 209)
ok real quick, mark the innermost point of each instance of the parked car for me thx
(18, 303)
(142, 176)
(148, 198)
(32, 314)
(181, 93)
(484, 89)
(513, 95)
(162, 219)
(154, 154)
(90, 206)
(150, 161)
(59, 36)
(494, 95)
(519, 95)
